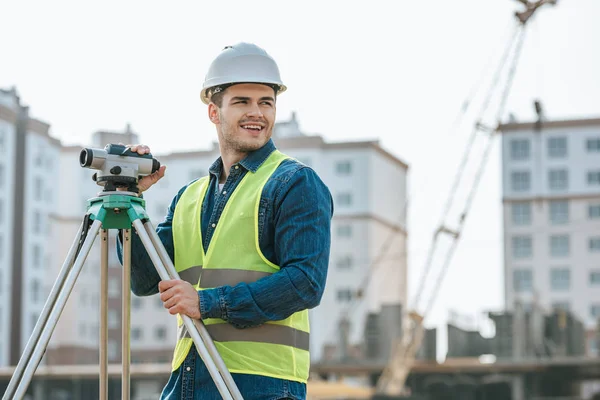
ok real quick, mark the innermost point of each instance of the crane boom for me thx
(404, 350)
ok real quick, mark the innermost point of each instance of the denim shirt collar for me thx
(251, 162)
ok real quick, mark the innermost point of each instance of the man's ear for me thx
(213, 113)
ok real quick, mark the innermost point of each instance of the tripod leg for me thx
(37, 330)
(61, 301)
(104, 316)
(210, 345)
(200, 346)
(126, 314)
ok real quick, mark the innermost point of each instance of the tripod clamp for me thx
(112, 210)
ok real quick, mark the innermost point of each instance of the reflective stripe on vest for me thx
(277, 349)
(267, 333)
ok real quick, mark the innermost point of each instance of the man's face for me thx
(245, 120)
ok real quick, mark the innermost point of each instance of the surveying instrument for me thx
(117, 168)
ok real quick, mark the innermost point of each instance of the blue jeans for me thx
(192, 381)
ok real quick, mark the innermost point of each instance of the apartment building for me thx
(551, 205)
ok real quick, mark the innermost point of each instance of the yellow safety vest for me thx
(279, 349)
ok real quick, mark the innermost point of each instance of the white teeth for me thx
(251, 127)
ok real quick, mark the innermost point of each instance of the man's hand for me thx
(148, 180)
(180, 297)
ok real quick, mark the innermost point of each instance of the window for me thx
(343, 168)
(1, 211)
(560, 279)
(520, 181)
(38, 188)
(160, 332)
(519, 149)
(37, 219)
(344, 262)
(113, 319)
(521, 213)
(595, 310)
(559, 245)
(593, 211)
(1, 176)
(344, 295)
(594, 244)
(35, 291)
(113, 349)
(557, 147)
(561, 306)
(136, 303)
(36, 255)
(523, 280)
(595, 278)
(522, 246)
(344, 199)
(344, 230)
(114, 287)
(34, 319)
(82, 330)
(136, 334)
(593, 177)
(593, 145)
(559, 211)
(558, 179)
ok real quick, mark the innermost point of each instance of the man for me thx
(250, 242)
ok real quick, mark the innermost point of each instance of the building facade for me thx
(551, 205)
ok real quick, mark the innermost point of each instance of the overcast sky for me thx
(397, 71)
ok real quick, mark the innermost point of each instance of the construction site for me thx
(526, 352)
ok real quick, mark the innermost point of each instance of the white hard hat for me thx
(241, 63)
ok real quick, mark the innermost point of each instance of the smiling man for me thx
(250, 242)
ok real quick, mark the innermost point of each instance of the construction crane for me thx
(392, 380)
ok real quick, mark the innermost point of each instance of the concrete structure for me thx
(43, 199)
(28, 196)
(551, 198)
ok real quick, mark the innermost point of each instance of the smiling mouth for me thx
(253, 128)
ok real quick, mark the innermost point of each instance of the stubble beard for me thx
(237, 144)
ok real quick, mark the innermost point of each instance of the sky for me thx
(394, 71)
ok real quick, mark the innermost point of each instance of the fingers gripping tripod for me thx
(112, 210)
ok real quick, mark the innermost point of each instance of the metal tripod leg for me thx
(207, 340)
(104, 316)
(37, 330)
(220, 376)
(47, 328)
(126, 314)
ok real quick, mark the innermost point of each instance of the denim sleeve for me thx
(144, 278)
(303, 208)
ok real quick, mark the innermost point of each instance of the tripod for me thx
(112, 210)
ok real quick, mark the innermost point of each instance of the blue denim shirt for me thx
(295, 214)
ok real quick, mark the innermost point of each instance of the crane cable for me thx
(377, 261)
(462, 166)
(482, 164)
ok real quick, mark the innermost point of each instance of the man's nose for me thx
(254, 111)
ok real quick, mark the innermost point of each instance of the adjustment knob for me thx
(115, 170)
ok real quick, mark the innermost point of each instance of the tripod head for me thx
(118, 166)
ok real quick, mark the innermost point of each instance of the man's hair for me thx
(217, 98)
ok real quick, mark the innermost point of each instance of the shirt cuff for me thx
(212, 303)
